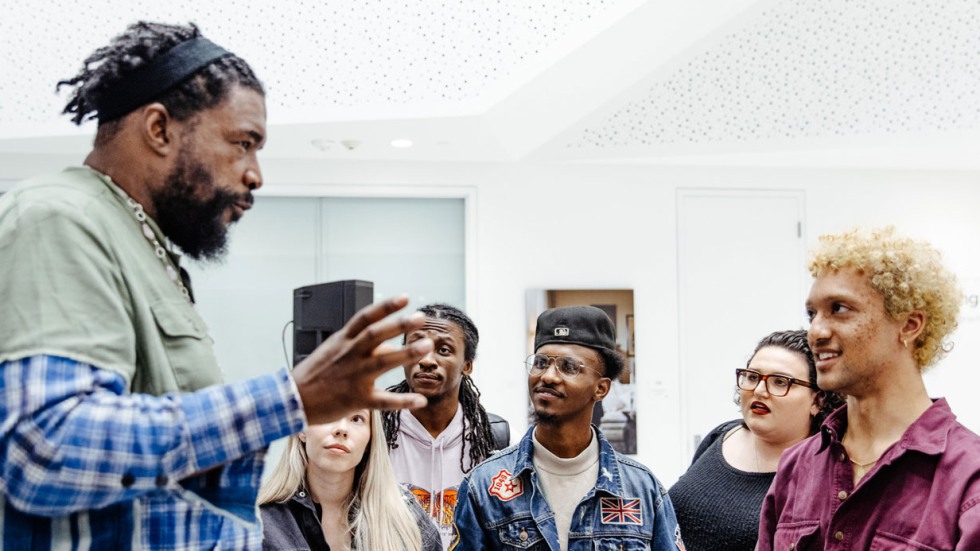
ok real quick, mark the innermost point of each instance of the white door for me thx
(741, 276)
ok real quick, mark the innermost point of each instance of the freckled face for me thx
(854, 340)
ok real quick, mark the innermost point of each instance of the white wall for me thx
(617, 226)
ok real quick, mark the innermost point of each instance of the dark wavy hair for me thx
(796, 341)
(140, 43)
(477, 434)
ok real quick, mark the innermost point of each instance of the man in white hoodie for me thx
(432, 448)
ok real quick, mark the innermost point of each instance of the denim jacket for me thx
(500, 506)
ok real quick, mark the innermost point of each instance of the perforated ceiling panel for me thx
(309, 53)
(813, 69)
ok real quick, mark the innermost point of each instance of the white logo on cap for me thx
(561, 331)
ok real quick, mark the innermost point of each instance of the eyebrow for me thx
(832, 298)
(258, 137)
(776, 374)
(438, 336)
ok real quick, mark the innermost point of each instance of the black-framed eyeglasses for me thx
(567, 367)
(776, 385)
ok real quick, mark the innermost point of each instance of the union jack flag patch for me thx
(616, 510)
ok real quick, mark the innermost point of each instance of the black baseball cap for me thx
(582, 325)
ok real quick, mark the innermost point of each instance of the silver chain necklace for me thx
(159, 249)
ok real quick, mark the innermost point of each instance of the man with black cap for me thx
(117, 430)
(564, 486)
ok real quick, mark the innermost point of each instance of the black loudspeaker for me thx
(320, 310)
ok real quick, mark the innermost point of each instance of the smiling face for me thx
(438, 374)
(338, 447)
(557, 400)
(854, 341)
(779, 418)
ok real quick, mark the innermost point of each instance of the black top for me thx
(717, 505)
(500, 429)
(295, 525)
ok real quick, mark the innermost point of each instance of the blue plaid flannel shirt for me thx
(85, 465)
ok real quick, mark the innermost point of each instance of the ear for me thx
(601, 388)
(468, 367)
(815, 405)
(915, 323)
(301, 436)
(158, 128)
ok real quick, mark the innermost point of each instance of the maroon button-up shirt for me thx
(924, 492)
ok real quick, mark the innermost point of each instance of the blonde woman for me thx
(334, 487)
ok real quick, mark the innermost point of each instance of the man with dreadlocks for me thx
(117, 432)
(432, 448)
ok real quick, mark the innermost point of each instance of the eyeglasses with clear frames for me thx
(568, 368)
(776, 385)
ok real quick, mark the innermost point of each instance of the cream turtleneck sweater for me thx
(565, 482)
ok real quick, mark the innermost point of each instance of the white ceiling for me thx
(828, 83)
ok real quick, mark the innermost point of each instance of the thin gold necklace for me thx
(863, 465)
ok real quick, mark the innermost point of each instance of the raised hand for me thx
(338, 377)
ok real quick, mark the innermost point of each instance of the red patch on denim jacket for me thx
(505, 487)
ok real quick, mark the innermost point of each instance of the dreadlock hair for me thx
(477, 435)
(140, 43)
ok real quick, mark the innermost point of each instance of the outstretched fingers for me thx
(368, 340)
(384, 400)
(385, 358)
(373, 313)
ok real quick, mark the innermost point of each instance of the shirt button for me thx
(523, 535)
(302, 494)
(842, 495)
(792, 546)
(843, 457)
(839, 535)
(161, 481)
(128, 479)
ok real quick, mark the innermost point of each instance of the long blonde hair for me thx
(379, 517)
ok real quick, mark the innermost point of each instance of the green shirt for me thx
(80, 280)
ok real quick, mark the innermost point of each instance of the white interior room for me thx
(690, 151)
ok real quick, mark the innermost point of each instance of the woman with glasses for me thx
(719, 499)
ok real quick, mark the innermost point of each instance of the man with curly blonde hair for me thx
(892, 468)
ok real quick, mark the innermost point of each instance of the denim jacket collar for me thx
(609, 480)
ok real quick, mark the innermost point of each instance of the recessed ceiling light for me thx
(401, 143)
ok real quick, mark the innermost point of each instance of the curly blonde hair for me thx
(908, 274)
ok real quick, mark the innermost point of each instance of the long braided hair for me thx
(477, 435)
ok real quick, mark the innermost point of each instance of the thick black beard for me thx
(193, 224)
